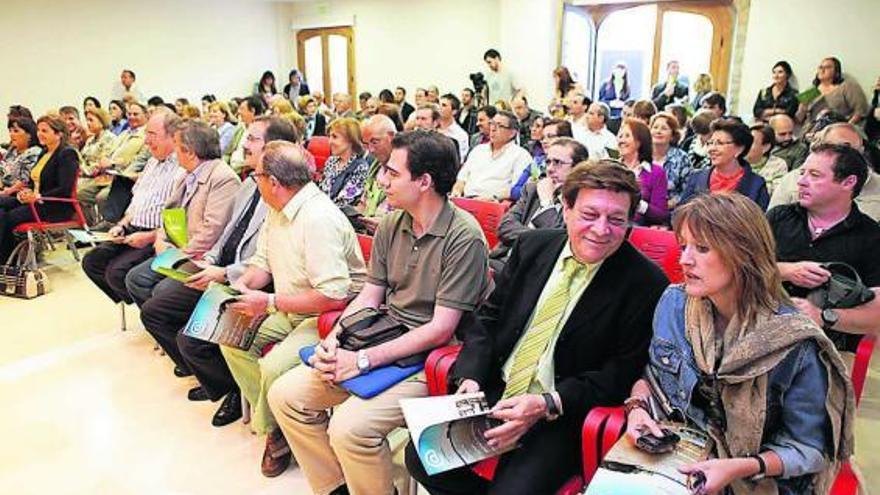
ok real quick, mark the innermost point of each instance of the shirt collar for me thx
(440, 226)
(296, 203)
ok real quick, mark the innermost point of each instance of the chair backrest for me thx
(860, 364)
(487, 213)
(661, 247)
(366, 243)
(319, 147)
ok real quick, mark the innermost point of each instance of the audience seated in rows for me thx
(540, 205)
(600, 142)
(634, 141)
(205, 192)
(429, 267)
(836, 93)
(552, 129)
(790, 148)
(484, 122)
(53, 175)
(546, 347)
(446, 124)
(379, 131)
(732, 356)
(771, 168)
(167, 311)
(108, 264)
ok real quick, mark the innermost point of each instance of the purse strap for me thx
(23, 256)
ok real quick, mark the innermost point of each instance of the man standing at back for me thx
(499, 82)
(428, 266)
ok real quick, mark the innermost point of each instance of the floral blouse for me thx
(353, 173)
(16, 167)
(678, 168)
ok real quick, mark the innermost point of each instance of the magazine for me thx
(174, 263)
(626, 469)
(806, 97)
(90, 236)
(174, 223)
(447, 431)
(211, 320)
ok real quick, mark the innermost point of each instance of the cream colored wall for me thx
(803, 32)
(56, 53)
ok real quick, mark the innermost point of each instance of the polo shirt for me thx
(310, 244)
(853, 241)
(447, 265)
(488, 176)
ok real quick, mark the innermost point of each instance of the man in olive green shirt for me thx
(429, 266)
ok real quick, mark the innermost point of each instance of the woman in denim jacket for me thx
(732, 356)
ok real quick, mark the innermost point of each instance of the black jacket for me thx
(57, 180)
(603, 347)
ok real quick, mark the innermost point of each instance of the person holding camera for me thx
(732, 356)
(826, 225)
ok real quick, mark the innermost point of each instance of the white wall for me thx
(56, 53)
(410, 44)
(803, 32)
(529, 45)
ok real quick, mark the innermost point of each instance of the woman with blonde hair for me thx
(220, 117)
(345, 172)
(732, 356)
(665, 135)
(703, 85)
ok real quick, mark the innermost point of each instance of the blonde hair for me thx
(190, 112)
(281, 106)
(224, 109)
(703, 83)
(735, 227)
(102, 116)
(350, 129)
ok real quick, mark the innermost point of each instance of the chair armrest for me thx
(437, 368)
(860, 364)
(326, 321)
(602, 427)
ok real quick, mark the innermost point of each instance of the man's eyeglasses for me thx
(496, 125)
(553, 162)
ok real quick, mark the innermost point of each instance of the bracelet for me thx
(762, 468)
(635, 402)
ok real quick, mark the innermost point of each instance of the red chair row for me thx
(487, 213)
(78, 221)
(319, 147)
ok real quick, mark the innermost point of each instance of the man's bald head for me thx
(783, 128)
(378, 133)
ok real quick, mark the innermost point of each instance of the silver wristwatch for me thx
(363, 362)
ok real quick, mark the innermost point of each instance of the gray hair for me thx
(284, 161)
(381, 123)
(170, 121)
(200, 138)
(604, 109)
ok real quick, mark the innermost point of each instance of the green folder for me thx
(174, 221)
(809, 95)
(174, 264)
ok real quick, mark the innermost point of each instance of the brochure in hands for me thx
(626, 469)
(90, 236)
(173, 263)
(447, 430)
(174, 223)
(213, 321)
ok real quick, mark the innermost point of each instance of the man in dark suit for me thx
(566, 329)
(540, 205)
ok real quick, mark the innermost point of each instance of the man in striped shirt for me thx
(107, 264)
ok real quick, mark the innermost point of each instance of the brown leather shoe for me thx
(276, 457)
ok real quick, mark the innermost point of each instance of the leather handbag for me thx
(20, 277)
(844, 289)
(369, 327)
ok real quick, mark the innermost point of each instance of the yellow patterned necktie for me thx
(542, 330)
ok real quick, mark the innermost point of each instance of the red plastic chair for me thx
(319, 147)
(38, 226)
(327, 319)
(487, 213)
(366, 243)
(660, 246)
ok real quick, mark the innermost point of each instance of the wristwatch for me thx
(552, 408)
(363, 362)
(270, 306)
(829, 318)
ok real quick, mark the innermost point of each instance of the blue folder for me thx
(373, 382)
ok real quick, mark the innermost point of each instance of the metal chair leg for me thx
(245, 410)
(71, 245)
(122, 314)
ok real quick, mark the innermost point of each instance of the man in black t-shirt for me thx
(826, 225)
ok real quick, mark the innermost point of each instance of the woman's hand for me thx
(639, 423)
(27, 196)
(719, 473)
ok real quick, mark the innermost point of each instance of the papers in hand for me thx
(809, 95)
(447, 431)
(90, 236)
(173, 263)
(213, 321)
(174, 223)
(627, 469)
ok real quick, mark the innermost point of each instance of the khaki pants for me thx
(349, 448)
(92, 194)
(255, 374)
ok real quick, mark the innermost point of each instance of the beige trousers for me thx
(351, 447)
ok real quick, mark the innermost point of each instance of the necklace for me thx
(816, 230)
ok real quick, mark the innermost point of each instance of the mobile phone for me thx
(658, 445)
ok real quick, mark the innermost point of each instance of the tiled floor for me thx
(88, 409)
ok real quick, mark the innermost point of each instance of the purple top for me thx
(652, 182)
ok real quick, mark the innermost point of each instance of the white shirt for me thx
(457, 133)
(501, 85)
(486, 176)
(119, 91)
(597, 142)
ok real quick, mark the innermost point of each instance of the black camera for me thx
(479, 81)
